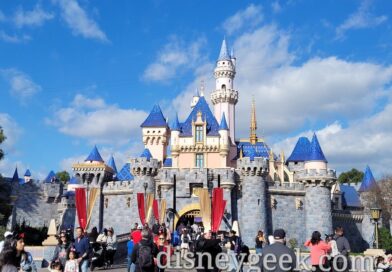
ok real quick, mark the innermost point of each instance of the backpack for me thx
(145, 258)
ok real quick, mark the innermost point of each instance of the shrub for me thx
(385, 239)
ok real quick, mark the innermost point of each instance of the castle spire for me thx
(253, 124)
(202, 87)
(224, 53)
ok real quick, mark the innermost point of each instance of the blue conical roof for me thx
(155, 118)
(146, 154)
(27, 173)
(15, 177)
(315, 152)
(112, 164)
(301, 150)
(125, 173)
(50, 178)
(175, 126)
(224, 53)
(223, 124)
(368, 181)
(94, 155)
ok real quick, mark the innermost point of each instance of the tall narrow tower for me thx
(224, 98)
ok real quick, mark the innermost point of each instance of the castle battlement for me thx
(315, 174)
(255, 167)
(226, 176)
(144, 167)
(287, 187)
(224, 96)
(118, 187)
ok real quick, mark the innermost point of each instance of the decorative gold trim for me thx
(188, 208)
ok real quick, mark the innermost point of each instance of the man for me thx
(137, 235)
(344, 249)
(7, 236)
(155, 227)
(82, 247)
(278, 257)
(144, 252)
(210, 246)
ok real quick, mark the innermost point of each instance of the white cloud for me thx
(98, 122)
(361, 18)
(176, 56)
(78, 20)
(249, 17)
(13, 38)
(35, 17)
(21, 85)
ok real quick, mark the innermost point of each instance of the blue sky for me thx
(78, 73)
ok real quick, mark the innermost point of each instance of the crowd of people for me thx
(88, 251)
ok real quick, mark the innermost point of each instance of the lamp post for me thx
(376, 215)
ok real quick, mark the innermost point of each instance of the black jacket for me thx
(134, 255)
(277, 250)
(210, 246)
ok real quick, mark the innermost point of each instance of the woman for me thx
(24, 258)
(163, 246)
(102, 238)
(318, 251)
(260, 240)
(61, 250)
(185, 240)
(8, 260)
(93, 235)
(111, 245)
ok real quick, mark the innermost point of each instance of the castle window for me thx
(224, 87)
(200, 160)
(199, 133)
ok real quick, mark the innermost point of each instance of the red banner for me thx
(81, 209)
(218, 208)
(155, 210)
(140, 206)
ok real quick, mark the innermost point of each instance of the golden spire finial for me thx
(241, 153)
(253, 124)
(282, 156)
(271, 155)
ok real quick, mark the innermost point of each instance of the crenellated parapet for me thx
(165, 178)
(144, 167)
(255, 167)
(118, 188)
(224, 96)
(226, 177)
(313, 177)
(53, 190)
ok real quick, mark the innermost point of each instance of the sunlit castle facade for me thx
(263, 190)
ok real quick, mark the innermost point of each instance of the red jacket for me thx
(318, 250)
(136, 236)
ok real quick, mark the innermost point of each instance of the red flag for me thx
(140, 206)
(80, 199)
(218, 208)
(155, 210)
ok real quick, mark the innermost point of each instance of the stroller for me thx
(98, 258)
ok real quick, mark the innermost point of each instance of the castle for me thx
(263, 191)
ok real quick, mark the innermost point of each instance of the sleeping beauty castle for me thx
(261, 190)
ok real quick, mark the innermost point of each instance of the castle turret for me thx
(156, 133)
(253, 203)
(318, 181)
(224, 97)
(175, 141)
(27, 176)
(224, 141)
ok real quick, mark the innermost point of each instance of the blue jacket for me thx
(82, 247)
(130, 245)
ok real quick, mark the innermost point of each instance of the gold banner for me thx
(162, 213)
(149, 202)
(93, 194)
(205, 208)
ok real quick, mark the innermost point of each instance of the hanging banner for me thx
(205, 208)
(218, 208)
(140, 207)
(155, 210)
(92, 197)
(149, 202)
(163, 211)
(80, 202)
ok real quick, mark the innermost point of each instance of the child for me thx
(381, 265)
(56, 266)
(72, 264)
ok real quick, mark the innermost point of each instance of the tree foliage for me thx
(352, 176)
(385, 239)
(2, 139)
(63, 176)
(5, 207)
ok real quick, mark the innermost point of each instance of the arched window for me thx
(224, 87)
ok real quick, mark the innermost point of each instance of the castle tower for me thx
(27, 176)
(156, 133)
(224, 97)
(224, 141)
(174, 138)
(253, 205)
(318, 180)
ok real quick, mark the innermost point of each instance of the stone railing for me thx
(287, 188)
(315, 174)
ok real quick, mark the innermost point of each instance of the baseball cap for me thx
(279, 234)
(7, 233)
(139, 227)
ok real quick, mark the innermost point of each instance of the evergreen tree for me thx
(352, 176)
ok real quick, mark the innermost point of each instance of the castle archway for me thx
(187, 213)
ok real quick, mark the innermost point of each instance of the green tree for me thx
(5, 207)
(63, 176)
(352, 176)
(2, 139)
(385, 239)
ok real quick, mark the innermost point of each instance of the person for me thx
(144, 252)
(155, 227)
(334, 249)
(111, 247)
(206, 244)
(163, 246)
(260, 240)
(137, 235)
(185, 240)
(24, 258)
(7, 236)
(82, 248)
(8, 259)
(235, 242)
(167, 232)
(102, 237)
(195, 227)
(278, 257)
(93, 235)
(382, 265)
(71, 264)
(318, 251)
(56, 266)
(131, 265)
(344, 249)
(271, 239)
(61, 250)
